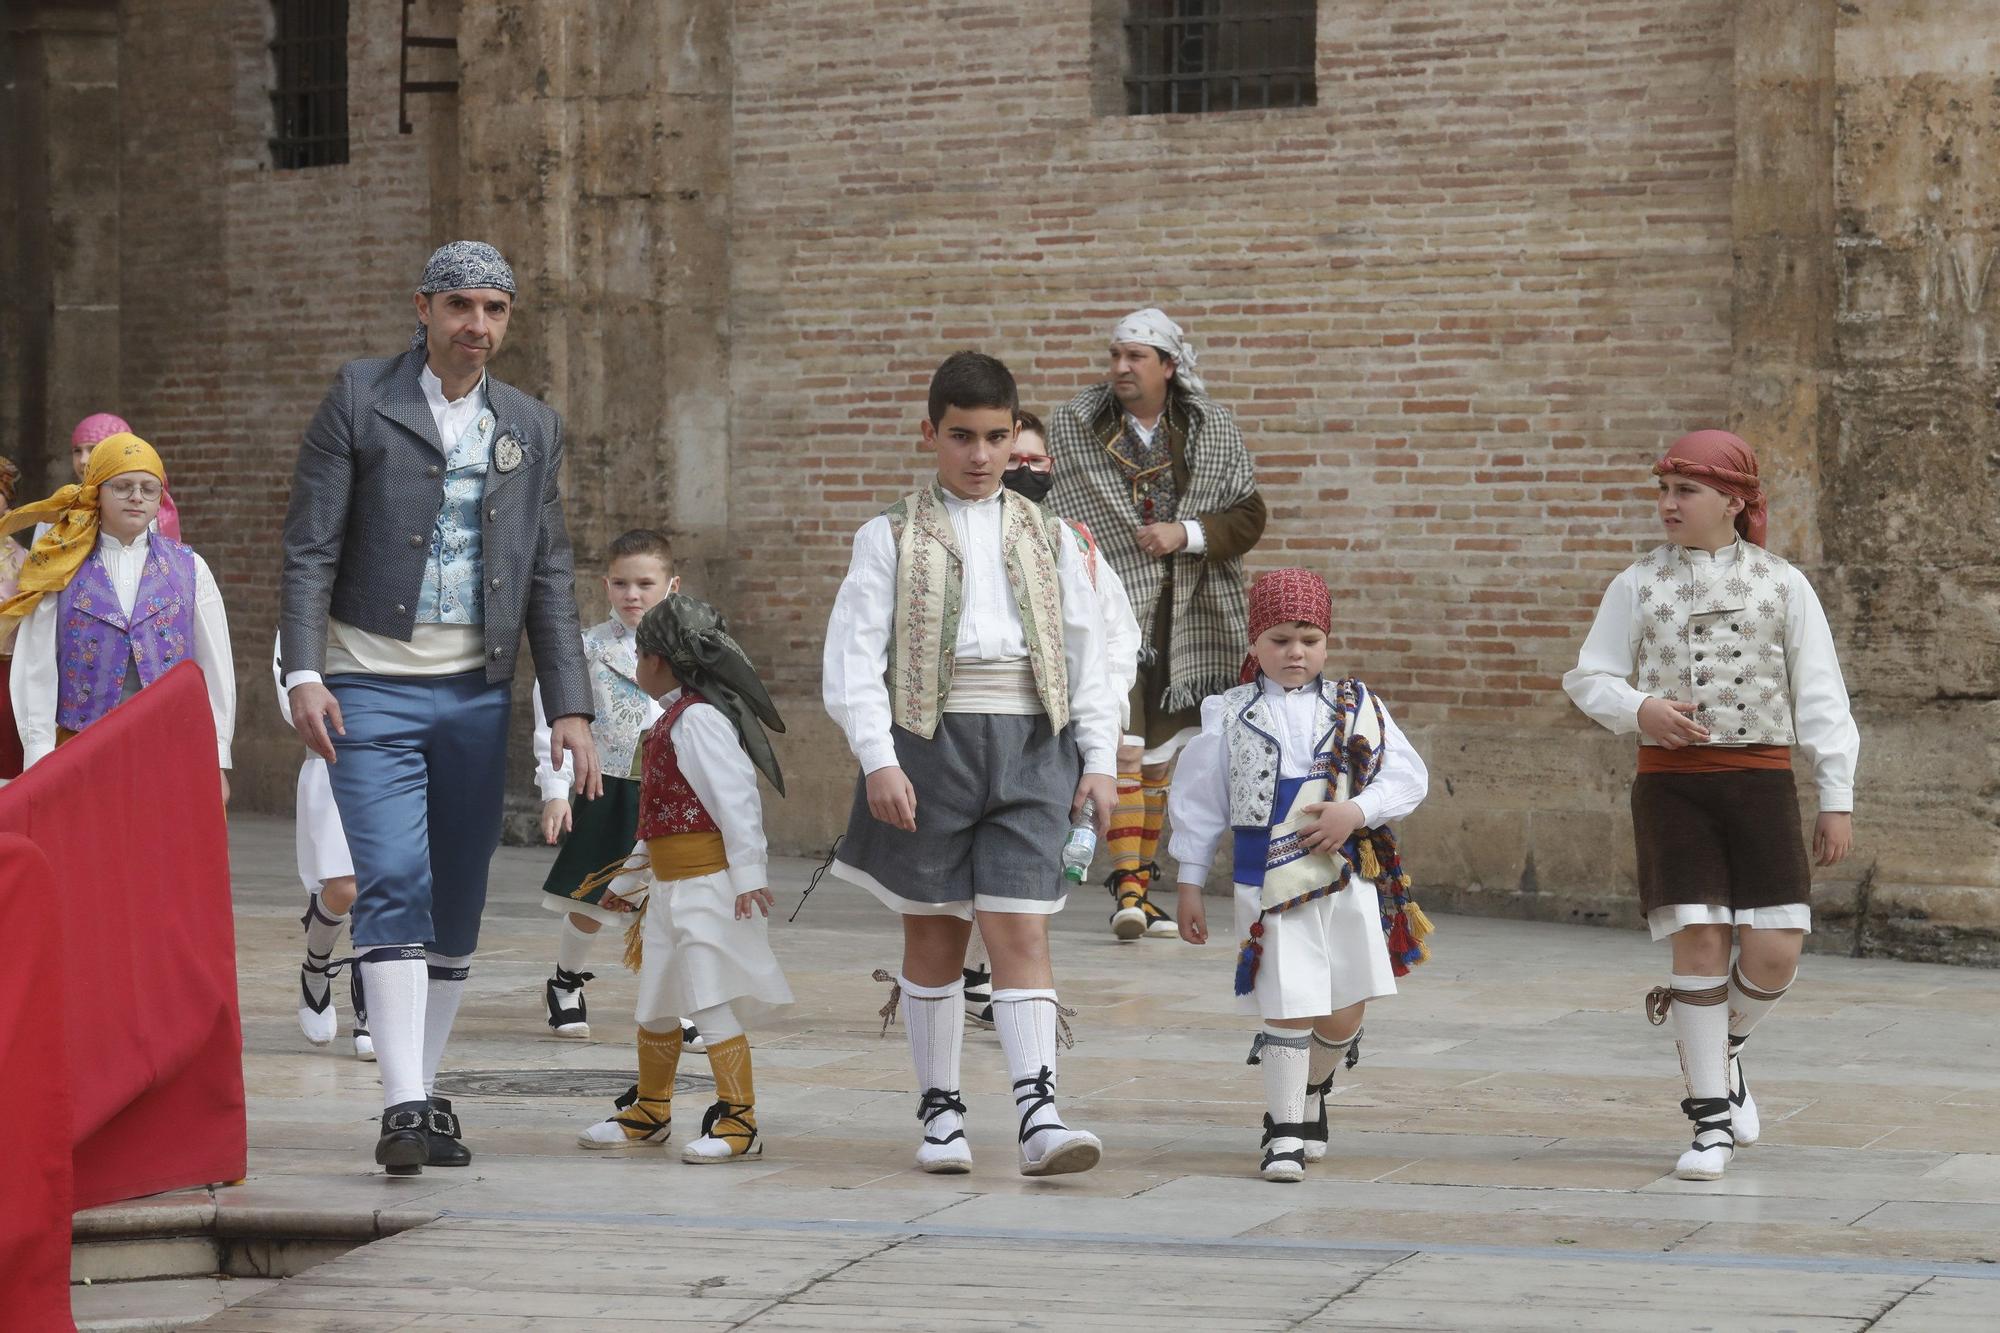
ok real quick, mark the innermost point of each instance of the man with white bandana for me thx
(425, 534)
(1157, 470)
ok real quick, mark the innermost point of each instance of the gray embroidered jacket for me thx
(365, 497)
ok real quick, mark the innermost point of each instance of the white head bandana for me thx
(1151, 328)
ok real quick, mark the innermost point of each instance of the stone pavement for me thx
(1498, 1158)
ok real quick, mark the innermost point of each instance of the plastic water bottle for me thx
(1081, 844)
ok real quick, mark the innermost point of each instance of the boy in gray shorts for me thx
(963, 662)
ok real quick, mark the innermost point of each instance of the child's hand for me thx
(225, 800)
(555, 819)
(1833, 837)
(1671, 724)
(1192, 917)
(1337, 821)
(892, 799)
(761, 897)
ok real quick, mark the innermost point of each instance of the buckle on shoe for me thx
(395, 1122)
(443, 1123)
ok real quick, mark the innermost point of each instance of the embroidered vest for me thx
(667, 803)
(1267, 810)
(1720, 646)
(623, 709)
(451, 591)
(97, 645)
(930, 583)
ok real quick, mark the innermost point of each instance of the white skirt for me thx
(698, 955)
(1319, 957)
(1664, 921)
(322, 843)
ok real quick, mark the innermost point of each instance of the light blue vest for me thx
(451, 593)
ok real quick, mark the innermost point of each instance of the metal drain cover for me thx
(581, 1084)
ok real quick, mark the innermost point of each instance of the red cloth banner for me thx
(129, 815)
(34, 1094)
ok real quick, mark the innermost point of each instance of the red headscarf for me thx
(1286, 597)
(1723, 462)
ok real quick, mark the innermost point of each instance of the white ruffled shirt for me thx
(989, 630)
(36, 675)
(1601, 682)
(1198, 802)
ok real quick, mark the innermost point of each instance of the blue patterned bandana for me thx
(458, 265)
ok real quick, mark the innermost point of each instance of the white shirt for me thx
(1198, 803)
(1121, 638)
(1601, 682)
(989, 629)
(37, 673)
(713, 761)
(454, 415)
(555, 783)
(432, 650)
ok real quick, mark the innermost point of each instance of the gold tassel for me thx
(597, 879)
(1420, 925)
(1371, 863)
(635, 943)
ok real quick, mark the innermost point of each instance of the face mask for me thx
(1032, 485)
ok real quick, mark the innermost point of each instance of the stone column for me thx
(595, 141)
(1910, 483)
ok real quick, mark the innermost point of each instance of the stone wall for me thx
(1458, 306)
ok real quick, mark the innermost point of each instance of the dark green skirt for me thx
(601, 831)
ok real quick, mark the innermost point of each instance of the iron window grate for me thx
(1219, 55)
(309, 86)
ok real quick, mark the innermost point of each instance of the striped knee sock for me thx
(1154, 800)
(1127, 823)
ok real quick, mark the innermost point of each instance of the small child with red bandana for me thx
(1303, 773)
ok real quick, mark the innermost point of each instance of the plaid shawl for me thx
(1207, 619)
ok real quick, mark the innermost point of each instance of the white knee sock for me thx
(1748, 1004)
(573, 947)
(1702, 1024)
(447, 987)
(715, 1023)
(322, 933)
(394, 977)
(1286, 1061)
(935, 1019)
(1325, 1063)
(1026, 1020)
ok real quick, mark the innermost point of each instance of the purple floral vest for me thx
(96, 646)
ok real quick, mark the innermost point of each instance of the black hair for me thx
(972, 379)
(1028, 421)
(642, 541)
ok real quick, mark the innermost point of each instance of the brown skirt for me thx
(1732, 840)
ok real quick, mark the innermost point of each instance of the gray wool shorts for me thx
(993, 799)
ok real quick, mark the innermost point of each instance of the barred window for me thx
(309, 84)
(1219, 55)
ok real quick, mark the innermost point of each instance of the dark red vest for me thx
(667, 804)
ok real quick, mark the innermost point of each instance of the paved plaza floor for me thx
(1499, 1159)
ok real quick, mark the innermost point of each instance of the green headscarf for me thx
(694, 639)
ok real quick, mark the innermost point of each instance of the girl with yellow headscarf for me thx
(106, 607)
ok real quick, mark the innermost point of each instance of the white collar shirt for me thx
(451, 415)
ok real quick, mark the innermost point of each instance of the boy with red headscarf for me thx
(1734, 667)
(1304, 774)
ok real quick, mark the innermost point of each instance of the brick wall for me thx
(244, 288)
(1457, 307)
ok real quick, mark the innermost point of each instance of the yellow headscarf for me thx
(72, 511)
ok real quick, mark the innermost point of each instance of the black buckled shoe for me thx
(403, 1148)
(442, 1133)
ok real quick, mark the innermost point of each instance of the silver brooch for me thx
(506, 454)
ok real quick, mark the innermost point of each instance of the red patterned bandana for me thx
(1286, 597)
(1722, 461)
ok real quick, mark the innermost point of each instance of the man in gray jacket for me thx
(425, 533)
